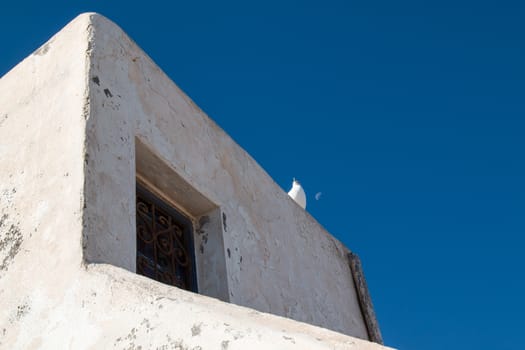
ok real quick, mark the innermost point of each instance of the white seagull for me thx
(297, 194)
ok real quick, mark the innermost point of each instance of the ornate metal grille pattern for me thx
(164, 242)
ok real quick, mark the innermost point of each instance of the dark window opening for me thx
(164, 242)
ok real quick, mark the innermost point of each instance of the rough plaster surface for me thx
(69, 117)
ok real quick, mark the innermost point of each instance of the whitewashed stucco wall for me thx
(279, 259)
(69, 117)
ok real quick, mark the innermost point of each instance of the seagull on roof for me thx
(297, 194)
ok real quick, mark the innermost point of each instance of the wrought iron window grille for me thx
(165, 248)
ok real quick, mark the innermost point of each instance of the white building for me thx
(108, 171)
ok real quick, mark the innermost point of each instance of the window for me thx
(197, 225)
(165, 248)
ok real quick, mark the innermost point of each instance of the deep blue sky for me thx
(407, 115)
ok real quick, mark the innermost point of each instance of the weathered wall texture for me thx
(70, 115)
